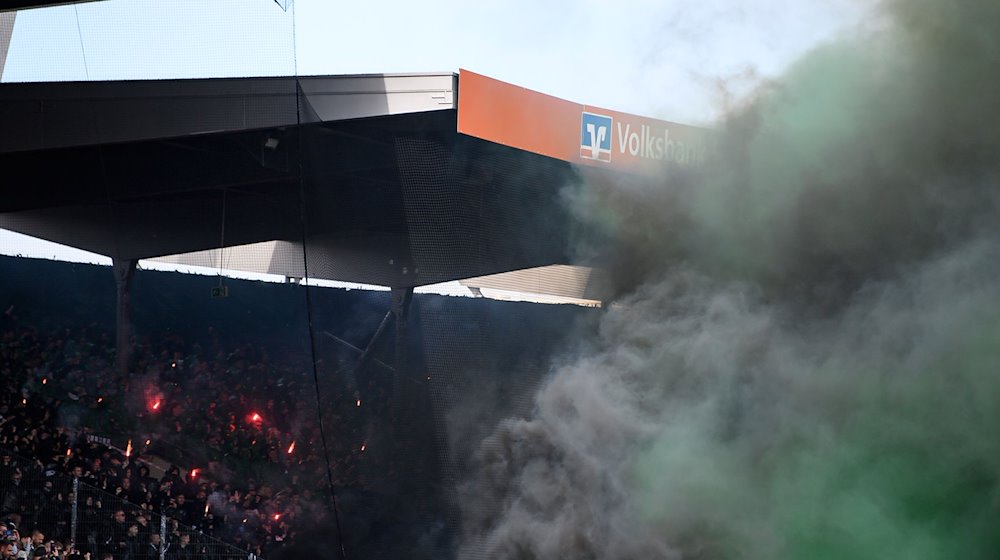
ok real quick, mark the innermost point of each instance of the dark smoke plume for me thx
(804, 359)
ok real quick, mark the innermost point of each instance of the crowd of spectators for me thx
(239, 451)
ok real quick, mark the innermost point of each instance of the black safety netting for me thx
(798, 361)
(214, 392)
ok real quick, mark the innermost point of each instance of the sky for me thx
(679, 60)
(662, 58)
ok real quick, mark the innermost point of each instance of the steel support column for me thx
(124, 272)
(401, 298)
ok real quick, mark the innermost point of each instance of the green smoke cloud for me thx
(804, 360)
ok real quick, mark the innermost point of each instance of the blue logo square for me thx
(595, 136)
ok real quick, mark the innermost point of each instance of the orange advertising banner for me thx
(582, 134)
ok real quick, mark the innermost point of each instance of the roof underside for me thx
(366, 172)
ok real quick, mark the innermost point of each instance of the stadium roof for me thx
(390, 179)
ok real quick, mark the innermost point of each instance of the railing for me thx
(81, 516)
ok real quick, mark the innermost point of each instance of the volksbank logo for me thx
(595, 136)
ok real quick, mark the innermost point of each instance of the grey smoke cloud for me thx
(802, 361)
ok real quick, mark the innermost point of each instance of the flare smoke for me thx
(804, 359)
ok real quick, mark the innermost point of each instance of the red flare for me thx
(255, 418)
(359, 402)
(100, 399)
(128, 449)
(277, 516)
(44, 381)
(291, 448)
(147, 441)
(69, 452)
(362, 448)
(194, 473)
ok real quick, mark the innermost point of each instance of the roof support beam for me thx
(12, 5)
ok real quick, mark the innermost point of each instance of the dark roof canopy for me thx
(368, 173)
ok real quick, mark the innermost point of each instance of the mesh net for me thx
(245, 408)
(97, 513)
